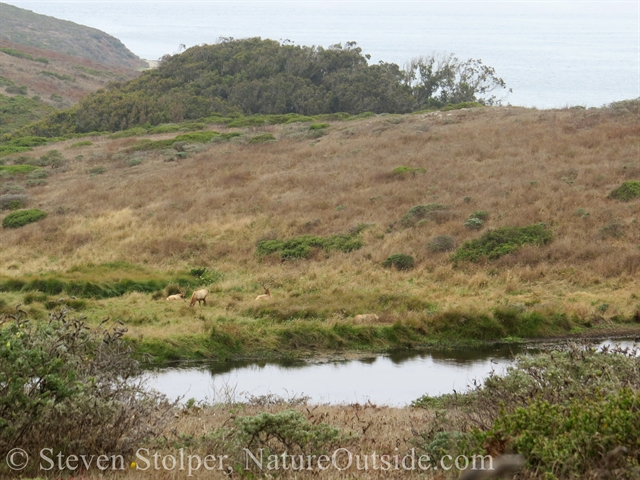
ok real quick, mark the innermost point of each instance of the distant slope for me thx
(28, 28)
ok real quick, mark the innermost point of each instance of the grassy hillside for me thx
(40, 31)
(314, 210)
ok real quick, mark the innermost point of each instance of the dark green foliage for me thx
(264, 78)
(262, 138)
(442, 243)
(13, 169)
(480, 214)
(84, 143)
(301, 247)
(66, 387)
(207, 276)
(67, 78)
(502, 241)
(16, 53)
(318, 126)
(627, 191)
(420, 212)
(21, 218)
(400, 261)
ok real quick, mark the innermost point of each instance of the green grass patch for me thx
(502, 241)
(13, 169)
(262, 138)
(20, 218)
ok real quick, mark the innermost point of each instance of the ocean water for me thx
(550, 53)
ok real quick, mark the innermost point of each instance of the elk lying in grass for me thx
(366, 318)
(265, 296)
(177, 296)
(199, 296)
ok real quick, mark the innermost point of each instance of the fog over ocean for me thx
(551, 53)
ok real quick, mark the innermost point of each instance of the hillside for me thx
(40, 31)
(346, 195)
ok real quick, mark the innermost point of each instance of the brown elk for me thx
(199, 296)
(266, 295)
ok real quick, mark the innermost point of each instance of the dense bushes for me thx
(302, 246)
(570, 413)
(421, 212)
(70, 388)
(20, 218)
(265, 77)
(400, 261)
(53, 286)
(502, 241)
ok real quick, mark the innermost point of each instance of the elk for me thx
(365, 318)
(266, 295)
(177, 296)
(199, 296)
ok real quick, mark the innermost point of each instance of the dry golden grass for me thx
(210, 209)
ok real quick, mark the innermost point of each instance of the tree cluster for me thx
(255, 76)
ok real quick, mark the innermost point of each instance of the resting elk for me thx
(199, 296)
(177, 296)
(266, 295)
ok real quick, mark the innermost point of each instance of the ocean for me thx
(550, 53)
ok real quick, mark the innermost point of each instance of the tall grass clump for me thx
(502, 241)
(420, 212)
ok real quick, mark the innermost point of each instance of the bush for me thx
(318, 126)
(12, 202)
(262, 138)
(71, 388)
(420, 212)
(302, 246)
(442, 243)
(20, 218)
(627, 191)
(400, 261)
(473, 223)
(502, 241)
(404, 172)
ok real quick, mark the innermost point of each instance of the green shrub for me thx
(473, 223)
(400, 261)
(627, 191)
(262, 138)
(318, 126)
(12, 201)
(481, 214)
(420, 212)
(442, 243)
(302, 246)
(20, 218)
(71, 388)
(502, 241)
(17, 169)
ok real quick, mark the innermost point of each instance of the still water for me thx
(394, 379)
(551, 53)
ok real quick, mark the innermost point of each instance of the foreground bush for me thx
(70, 388)
(570, 413)
(400, 261)
(21, 218)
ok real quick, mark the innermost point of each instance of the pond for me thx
(393, 379)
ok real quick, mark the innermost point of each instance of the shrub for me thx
(302, 246)
(400, 261)
(627, 191)
(615, 228)
(262, 138)
(72, 388)
(473, 223)
(20, 218)
(12, 202)
(318, 126)
(420, 212)
(442, 243)
(84, 143)
(481, 214)
(502, 241)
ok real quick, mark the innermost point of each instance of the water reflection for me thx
(394, 379)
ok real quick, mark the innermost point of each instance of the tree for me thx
(441, 79)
